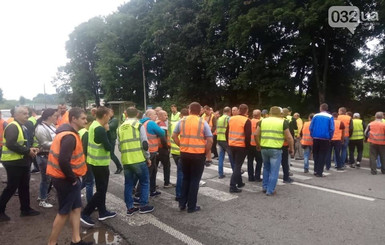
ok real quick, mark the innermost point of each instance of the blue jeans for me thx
(179, 176)
(336, 146)
(88, 183)
(223, 148)
(378, 162)
(271, 163)
(306, 156)
(133, 172)
(344, 150)
(45, 179)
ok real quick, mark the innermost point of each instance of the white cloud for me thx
(33, 36)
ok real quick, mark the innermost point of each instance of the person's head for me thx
(289, 110)
(323, 107)
(174, 109)
(194, 108)
(296, 115)
(162, 115)
(62, 108)
(207, 110)
(310, 117)
(257, 114)
(21, 114)
(93, 112)
(157, 109)
(103, 115)
(379, 115)
(265, 113)
(275, 111)
(31, 112)
(139, 115)
(349, 113)
(77, 118)
(234, 111)
(49, 116)
(217, 114)
(12, 111)
(342, 111)
(183, 113)
(335, 115)
(356, 115)
(243, 109)
(285, 112)
(227, 111)
(131, 112)
(150, 113)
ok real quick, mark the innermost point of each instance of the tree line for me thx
(227, 52)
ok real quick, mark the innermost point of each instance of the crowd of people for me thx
(73, 150)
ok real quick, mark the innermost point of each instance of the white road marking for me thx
(335, 191)
(141, 219)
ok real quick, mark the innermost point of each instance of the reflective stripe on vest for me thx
(346, 120)
(358, 130)
(152, 140)
(192, 138)
(237, 131)
(221, 127)
(337, 131)
(306, 138)
(377, 133)
(254, 123)
(96, 154)
(7, 154)
(78, 164)
(272, 134)
(129, 141)
(175, 150)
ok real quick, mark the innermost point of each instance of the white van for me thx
(5, 114)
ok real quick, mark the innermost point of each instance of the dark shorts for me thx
(69, 195)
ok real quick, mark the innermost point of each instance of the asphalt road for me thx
(343, 208)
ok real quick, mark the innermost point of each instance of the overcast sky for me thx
(32, 40)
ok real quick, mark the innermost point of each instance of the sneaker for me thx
(340, 169)
(288, 181)
(306, 170)
(241, 185)
(221, 176)
(290, 173)
(235, 190)
(35, 171)
(146, 209)
(264, 190)
(131, 211)
(4, 217)
(107, 215)
(358, 165)
(87, 220)
(81, 242)
(168, 186)
(155, 193)
(208, 163)
(352, 166)
(271, 194)
(45, 204)
(202, 183)
(136, 201)
(30, 212)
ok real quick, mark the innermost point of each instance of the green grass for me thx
(366, 150)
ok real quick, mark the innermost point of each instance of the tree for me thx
(1, 96)
(22, 100)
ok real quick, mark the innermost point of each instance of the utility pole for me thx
(144, 82)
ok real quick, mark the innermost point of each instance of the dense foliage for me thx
(227, 52)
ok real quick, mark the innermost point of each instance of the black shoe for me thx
(81, 242)
(208, 163)
(264, 191)
(352, 166)
(288, 181)
(358, 165)
(182, 208)
(258, 180)
(155, 193)
(290, 174)
(107, 215)
(241, 185)
(251, 179)
(196, 209)
(320, 175)
(4, 217)
(30, 212)
(374, 173)
(118, 171)
(177, 199)
(306, 170)
(235, 190)
(34, 171)
(87, 220)
(221, 177)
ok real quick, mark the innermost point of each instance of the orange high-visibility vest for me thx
(306, 138)
(64, 119)
(78, 160)
(1, 131)
(152, 140)
(377, 133)
(192, 138)
(237, 131)
(346, 120)
(337, 131)
(254, 123)
(11, 119)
